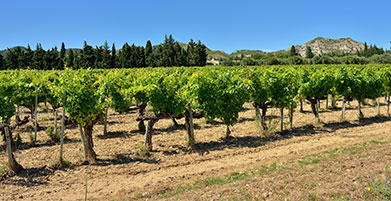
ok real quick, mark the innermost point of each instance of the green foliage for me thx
(218, 94)
(282, 85)
(309, 53)
(163, 92)
(292, 51)
(53, 135)
(315, 84)
(87, 56)
(2, 63)
(85, 96)
(7, 100)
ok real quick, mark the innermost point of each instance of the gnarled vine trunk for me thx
(228, 132)
(12, 164)
(360, 114)
(315, 108)
(148, 134)
(189, 128)
(141, 111)
(89, 145)
(261, 116)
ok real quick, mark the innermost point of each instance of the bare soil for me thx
(121, 173)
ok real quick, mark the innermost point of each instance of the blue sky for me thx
(223, 25)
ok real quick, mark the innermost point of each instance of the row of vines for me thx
(198, 92)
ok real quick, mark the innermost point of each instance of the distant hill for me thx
(217, 54)
(321, 45)
(4, 52)
(246, 53)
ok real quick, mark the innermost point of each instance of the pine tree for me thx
(38, 58)
(70, 59)
(178, 55)
(98, 53)
(51, 59)
(202, 55)
(61, 62)
(309, 53)
(106, 55)
(28, 58)
(167, 56)
(292, 51)
(11, 59)
(191, 53)
(87, 56)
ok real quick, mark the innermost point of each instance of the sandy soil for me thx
(121, 173)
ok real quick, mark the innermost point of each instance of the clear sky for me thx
(220, 24)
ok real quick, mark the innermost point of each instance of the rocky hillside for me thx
(321, 45)
(246, 53)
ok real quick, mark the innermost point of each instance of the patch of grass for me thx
(60, 164)
(236, 176)
(314, 197)
(3, 170)
(342, 197)
(214, 181)
(226, 179)
(333, 153)
(178, 191)
(264, 169)
(306, 160)
(308, 186)
(377, 142)
(355, 149)
(143, 151)
(311, 159)
(379, 188)
(54, 135)
(32, 138)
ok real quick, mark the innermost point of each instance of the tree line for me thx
(169, 53)
(368, 55)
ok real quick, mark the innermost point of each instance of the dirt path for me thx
(122, 174)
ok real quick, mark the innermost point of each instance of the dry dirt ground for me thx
(333, 159)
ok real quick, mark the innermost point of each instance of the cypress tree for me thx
(292, 51)
(148, 54)
(61, 62)
(309, 53)
(148, 48)
(2, 66)
(113, 57)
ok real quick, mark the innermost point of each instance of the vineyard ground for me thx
(122, 174)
